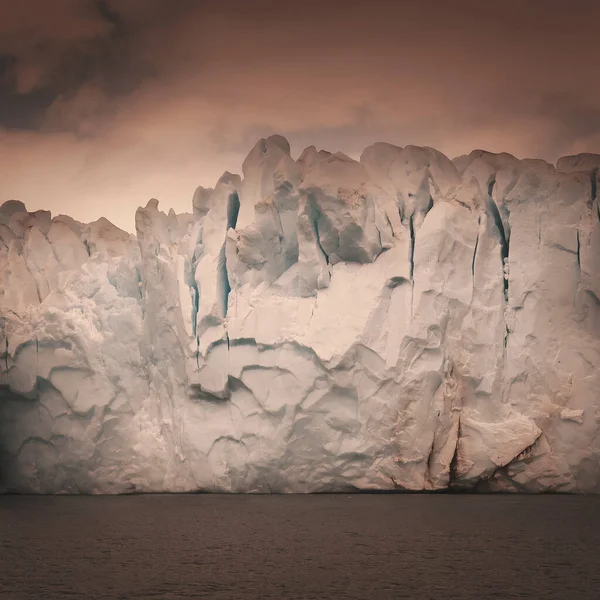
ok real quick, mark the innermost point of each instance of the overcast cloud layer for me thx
(106, 103)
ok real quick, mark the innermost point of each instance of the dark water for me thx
(323, 547)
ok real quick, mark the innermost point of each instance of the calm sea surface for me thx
(322, 547)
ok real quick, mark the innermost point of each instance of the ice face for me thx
(399, 322)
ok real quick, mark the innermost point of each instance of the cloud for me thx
(39, 34)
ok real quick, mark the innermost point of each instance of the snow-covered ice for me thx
(323, 324)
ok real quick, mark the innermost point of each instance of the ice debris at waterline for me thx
(321, 324)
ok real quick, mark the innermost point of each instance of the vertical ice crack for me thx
(475, 250)
(504, 249)
(315, 220)
(198, 351)
(195, 299)
(195, 294)
(453, 470)
(233, 210)
(429, 463)
(504, 245)
(429, 205)
(411, 256)
(594, 190)
(6, 346)
(413, 242)
(140, 286)
(411, 260)
(224, 285)
(37, 368)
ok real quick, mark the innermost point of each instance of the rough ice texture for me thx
(402, 322)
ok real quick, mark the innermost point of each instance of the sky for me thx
(105, 104)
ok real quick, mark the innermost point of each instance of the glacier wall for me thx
(400, 322)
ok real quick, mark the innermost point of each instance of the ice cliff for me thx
(401, 322)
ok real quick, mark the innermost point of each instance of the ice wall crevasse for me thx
(399, 322)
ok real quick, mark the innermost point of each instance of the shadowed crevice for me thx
(233, 210)
(504, 245)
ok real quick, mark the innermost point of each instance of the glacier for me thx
(400, 322)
